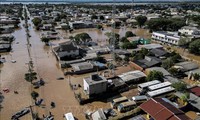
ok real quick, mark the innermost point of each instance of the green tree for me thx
(183, 42)
(155, 75)
(173, 71)
(37, 21)
(180, 86)
(82, 38)
(101, 17)
(30, 76)
(194, 47)
(99, 26)
(196, 76)
(141, 20)
(124, 39)
(45, 40)
(167, 63)
(129, 45)
(129, 34)
(34, 95)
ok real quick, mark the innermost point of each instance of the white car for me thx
(13, 61)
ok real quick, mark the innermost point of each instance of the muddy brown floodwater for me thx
(45, 64)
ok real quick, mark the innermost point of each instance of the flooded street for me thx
(45, 64)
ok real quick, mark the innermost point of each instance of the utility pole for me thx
(113, 38)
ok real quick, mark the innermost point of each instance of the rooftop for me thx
(187, 66)
(195, 90)
(132, 75)
(151, 46)
(160, 109)
(82, 66)
(95, 79)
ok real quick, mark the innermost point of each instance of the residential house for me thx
(162, 109)
(151, 46)
(95, 84)
(66, 50)
(99, 115)
(194, 99)
(159, 53)
(186, 66)
(145, 63)
(133, 76)
(82, 67)
(166, 37)
(77, 25)
(190, 31)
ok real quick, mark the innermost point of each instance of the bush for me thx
(155, 75)
(34, 95)
(180, 86)
(194, 47)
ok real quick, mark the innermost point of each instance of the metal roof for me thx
(160, 91)
(132, 75)
(158, 86)
(146, 84)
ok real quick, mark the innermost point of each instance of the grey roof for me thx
(194, 101)
(151, 46)
(158, 52)
(187, 66)
(95, 79)
(5, 46)
(142, 97)
(193, 71)
(65, 46)
(121, 52)
(149, 61)
(82, 66)
(161, 69)
(139, 117)
(132, 75)
(99, 115)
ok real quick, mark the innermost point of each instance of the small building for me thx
(117, 101)
(151, 46)
(5, 47)
(66, 50)
(186, 66)
(95, 84)
(47, 27)
(190, 31)
(82, 67)
(161, 69)
(139, 99)
(159, 86)
(194, 99)
(160, 92)
(166, 37)
(159, 53)
(100, 49)
(77, 25)
(126, 106)
(145, 63)
(139, 40)
(133, 76)
(143, 86)
(99, 115)
(161, 109)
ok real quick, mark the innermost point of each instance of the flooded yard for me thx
(46, 66)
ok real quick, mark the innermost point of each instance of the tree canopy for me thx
(180, 86)
(154, 75)
(141, 20)
(194, 47)
(36, 21)
(164, 24)
(129, 34)
(82, 38)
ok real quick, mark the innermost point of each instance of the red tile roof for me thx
(159, 109)
(196, 90)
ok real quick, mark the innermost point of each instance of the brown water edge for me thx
(45, 64)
